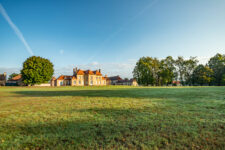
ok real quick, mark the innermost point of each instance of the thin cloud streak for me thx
(16, 29)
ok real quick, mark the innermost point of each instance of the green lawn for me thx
(112, 118)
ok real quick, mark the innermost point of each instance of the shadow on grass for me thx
(115, 129)
(183, 93)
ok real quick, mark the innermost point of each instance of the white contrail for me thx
(16, 30)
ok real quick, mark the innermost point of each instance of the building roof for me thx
(16, 78)
(64, 77)
(127, 81)
(176, 82)
(115, 78)
(96, 72)
(80, 72)
(89, 72)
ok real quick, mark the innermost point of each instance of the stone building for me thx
(117, 80)
(3, 79)
(131, 82)
(80, 78)
(15, 81)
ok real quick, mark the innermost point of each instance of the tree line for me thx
(155, 72)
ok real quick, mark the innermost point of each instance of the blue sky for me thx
(110, 34)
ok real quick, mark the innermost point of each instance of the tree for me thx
(202, 75)
(142, 71)
(37, 70)
(147, 71)
(12, 75)
(151, 71)
(223, 80)
(167, 73)
(217, 64)
(189, 66)
(185, 69)
(180, 68)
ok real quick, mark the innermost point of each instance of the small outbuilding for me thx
(15, 81)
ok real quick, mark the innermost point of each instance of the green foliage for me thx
(12, 75)
(189, 66)
(167, 73)
(202, 75)
(217, 64)
(147, 71)
(37, 70)
(180, 65)
(119, 117)
(223, 80)
(151, 71)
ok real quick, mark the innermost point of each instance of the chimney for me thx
(5, 75)
(99, 70)
(74, 71)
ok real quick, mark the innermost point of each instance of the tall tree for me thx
(147, 71)
(180, 68)
(141, 71)
(37, 70)
(189, 66)
(167, 73)
(185, 68)
(217, 64)
(202, 75)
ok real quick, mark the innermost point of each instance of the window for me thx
(61, 83)
(99, 82)
(96, 82)
(91, 82)
(91, 77)
(74, 82)
(79, 77)
(96, 78)
(79, 82)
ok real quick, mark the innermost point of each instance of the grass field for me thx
(112, 118)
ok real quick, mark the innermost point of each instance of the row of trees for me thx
(152, 71)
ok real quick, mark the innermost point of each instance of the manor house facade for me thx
(80, 78)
